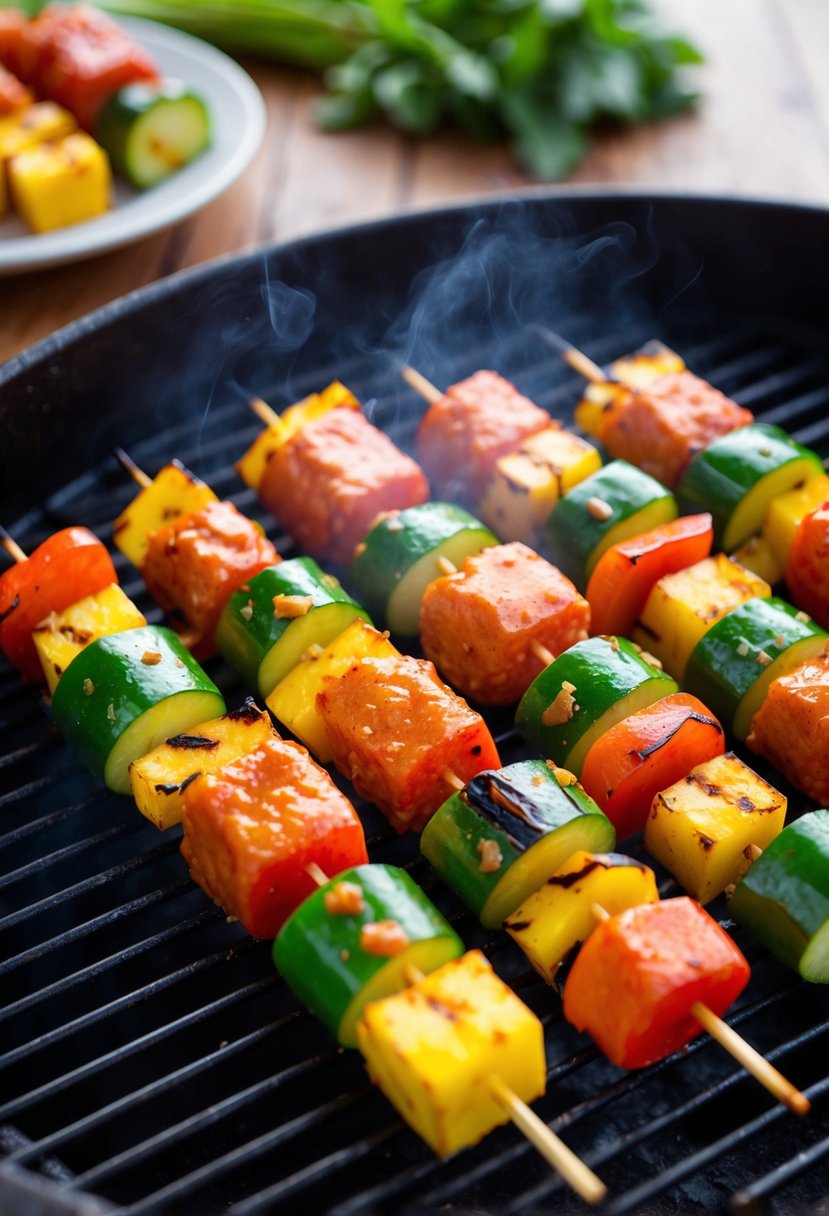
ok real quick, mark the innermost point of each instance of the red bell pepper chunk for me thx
(13, 94)
(626, 572)
(254, 826)
(68, 566)
(638, 974)
(649, 751)
(807, 570)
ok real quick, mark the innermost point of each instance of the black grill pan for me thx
(151, 1061)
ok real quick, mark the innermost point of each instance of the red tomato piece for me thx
(13, 94)
(68, 566)
(638, 974)
(253, 827)
(649, 751)
(478, 625)
(331, 479)
(395, 728)
(196, 562)
(807, 570)
(626, 572)
(79, 57)
(473, 424)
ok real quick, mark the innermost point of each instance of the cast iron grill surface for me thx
(151, 1060)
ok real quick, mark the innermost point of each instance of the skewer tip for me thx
(11, 546)
(264, 412)
(137, 474)
(428, 391)
(452, 778)
(584, 365)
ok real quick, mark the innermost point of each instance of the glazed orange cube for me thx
(791, 727)
(469, 428)
(329, 481)
(807, 568)
(196, 562)
(395, 729)
(478, 626)
(255, 825)
(638, 974)
(661, 427)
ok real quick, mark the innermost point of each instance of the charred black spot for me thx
(647, 629)
(745, 803)
(192, 742)
(167, 789)
(712, 790)
(249, 712)
(476, 750)
(8, 611)
(504, 805)
(568, 880)
(189, 780)
(562, 975)
(706, 841)
(444, 1011)
(517, 926)
(696, 963)
(691, 717)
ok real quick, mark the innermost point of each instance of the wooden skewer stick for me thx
(452, 778)
(317, 873)
(138, 475)
(428, 391)
(264, 412)
(759, 1067)
(554, 1151)
(584, 365)
(12, 548)
(541, 652)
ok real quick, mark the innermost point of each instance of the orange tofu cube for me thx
(394, 730)
(791, 728)
(478, 626)
(661, 427)
(255, 825)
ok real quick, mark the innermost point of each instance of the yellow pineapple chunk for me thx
(160, 778)
(294, 700)
(174, 491)
(528, 482)
(683, 606)
(758, 556)
(559, 915)
(786, 511)
(54, 185)
(64, 634)
(434, 1048)
(252, 465)
(34, 125)
(638, 370)
(703, 827)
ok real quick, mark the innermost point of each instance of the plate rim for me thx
(33, 252)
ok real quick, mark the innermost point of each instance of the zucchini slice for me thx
(152, 130)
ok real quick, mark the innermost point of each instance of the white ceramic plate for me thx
(238, 117)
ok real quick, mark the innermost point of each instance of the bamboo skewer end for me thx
(584, 365)
(428, 391)
(316, 873)
(12, 548)
(137, 474)
(541, 652)
(264, 412)
(452, 778)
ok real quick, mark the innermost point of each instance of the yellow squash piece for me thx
(559, 915)
(638, 370)
(786, 512)
(294, 700)
(252, 465)
(757, 555)
(528, 482)
(160, 778)
(64, 634)
(174, 491)
(55, 185)
(702, 828)
(34, 125)
(433, 1048)
(681, 607)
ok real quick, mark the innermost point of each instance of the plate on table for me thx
(237, 114)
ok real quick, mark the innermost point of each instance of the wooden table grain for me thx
(761, 129)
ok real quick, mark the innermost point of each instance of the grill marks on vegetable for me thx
(506, 807)
(654, 747)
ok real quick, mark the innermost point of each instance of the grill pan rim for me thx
(145, 297)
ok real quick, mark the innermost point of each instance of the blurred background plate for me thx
(238, 117)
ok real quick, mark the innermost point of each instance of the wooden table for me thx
(761, 129)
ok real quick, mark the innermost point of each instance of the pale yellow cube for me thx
(703, 828)
(160, 778)
(294, 700)
(55, 185)
(528, 482)
(64, 634)
(758, 556)
(683, 606)
(786, 511)
(434, 1048)
(36, 124)
(173, 492)
(251, 467)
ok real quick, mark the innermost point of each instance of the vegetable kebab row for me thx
(261, 831)
(663, 587)
(454, 832)
(509, 872)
